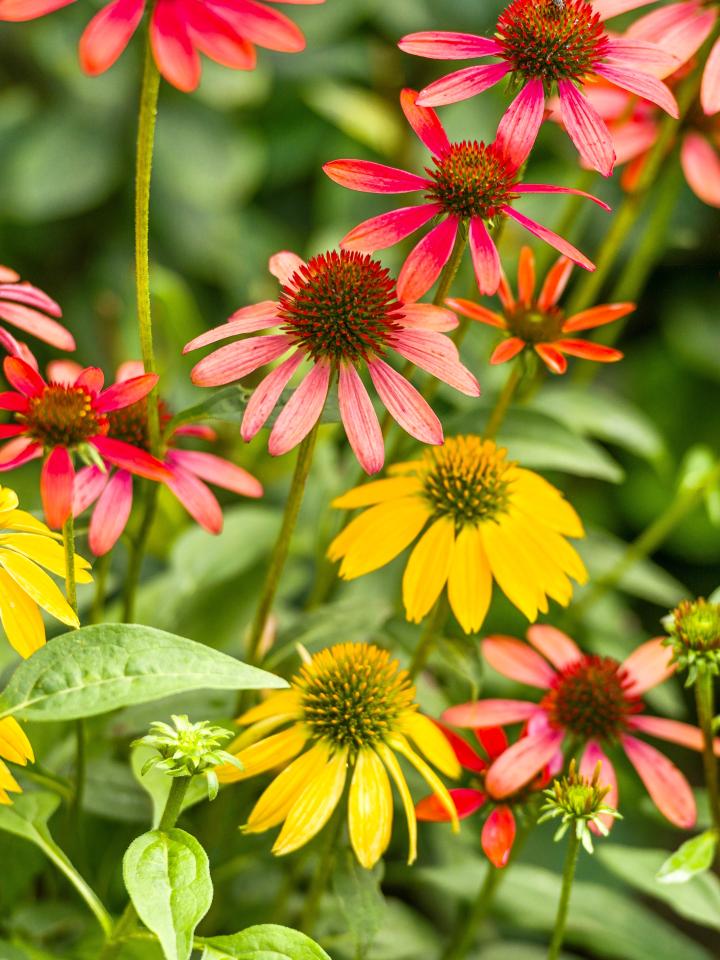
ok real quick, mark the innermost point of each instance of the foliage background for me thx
(238, 177)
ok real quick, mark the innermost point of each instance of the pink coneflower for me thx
(57, 420)
(112, 491)
(498, 832)
(545, 46)
(471, 186)
(340, 312)
(538, 323)
(227, 31)
(591, 702)
(31, 311)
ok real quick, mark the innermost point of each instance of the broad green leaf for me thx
(167, 875)
(112, 793)
(691, 858)
(100, 668)
(267, 941)
(360, 897)
(360, 113)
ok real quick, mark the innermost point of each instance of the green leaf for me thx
(360, 113)
(167, 875)
(691, 858)
(100, 668)
(267, 941)
(360, 897)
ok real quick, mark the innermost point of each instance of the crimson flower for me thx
(498, 832)
(57, 420)
(545, 46)
(538, 323)
(227, 31)
(470, 185)
(32, 311)
(339, 311)
(589, 701)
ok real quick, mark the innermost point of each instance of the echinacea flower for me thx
(26, 546)
(340, 312)
(351, 711)
(538, 323)
(59, 420)
(499, 829)
(32, 311)
(470, 186)
(484, 518)
(590, 702)
(112, 490)
(546, 46)
(227, 31)
(16, 748)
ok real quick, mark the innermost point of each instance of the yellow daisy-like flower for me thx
(488, 519)
(26, 546)
(15, 747)
(349, 713)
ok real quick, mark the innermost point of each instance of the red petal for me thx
(498, 836)
(466, 801)
(56, 487)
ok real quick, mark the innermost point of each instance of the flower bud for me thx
(578, 801)
(694, 635)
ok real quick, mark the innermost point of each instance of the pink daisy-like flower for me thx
(58, 420)
(545, 46)
(32, 311)
(112, 491)
(498, 832)
(591, 702)
(227, 31)
(340, 312)
(538, 323)
(470, 185)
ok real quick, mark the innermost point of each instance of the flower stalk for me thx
(502, 404)
(429, 637)
(68, 534)
(705, 703)
(571, 858)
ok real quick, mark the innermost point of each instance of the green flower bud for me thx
(580, 803)
(694, 635)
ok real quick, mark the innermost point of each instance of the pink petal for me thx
(15, 402)
(645, 86)
(29, 295)
(679, 28)
(516, 660)
(176, 57)
(531, 188)
(260, 316)
(360, 420)
(436, 354)
(19, 451)
(639, 54)
(198, 430)
(11, 345)
(462, 84)
(111, 513)
(593, 754)
(486, 261)
(425, 122)
(129, 370)
(216, 470)
(108, 33)
(22, 376)
(405, 404)
(444, 45)
(126, 393)
(710, 89)
(549, 237)
(20, 10)
(370, 177)
(490, 713)
(701, 166)
(89, 484)
(37, 324)
(236, 360)
(668, 788)
(128, 457)
(427, 316)
(586, 128)
(7, 274)
(647, 666)
(521, 762)
(506, 350)
(673, 731)
(552, 643)
(426, 260)
(498, 836)
(284, 265)
(56, 487)
(377, 233)
(613, 8)
(218, 39)
(91, 379)
(63, 371)
(520, 123)
(266, 395)
(199, 501)
(268, 28)
(302, 411)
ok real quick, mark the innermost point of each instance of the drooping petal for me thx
(462, 84)
(506, 350)
(273, 751)
(383, 231)
(485, 258)
(217, 470)
(22, 623)
(262, 25)
(275, 802)
(586, 128)
(56, 487)
(378, 491)
(267, 393)
(592, 755)
(549, 237)
(642, 55)
(668, 788)
(642, 84)
(199, 501)
(111, 513)
(18, 451)
(490, 713)
(108, 33)
(648, 666)
(513, 576)
(314, 807)
(301, 412)
(37, 324)
(370, 808)
(523, 188)
(15, 745)
(89, 484)
(425, 122)
(400, 744)
(444, 45)
(427, 569)
(175, 56)
(498, 836)
(467, 801)
(555, 645)
(236, 360)
(370, 177)
(516, 660)
(674, 731)
(469, 580)
(127, 457)
(395, 771)
(437, 355)
(701, 166)
(405, 404)
(426, 260)
(597, 316)
(521, 762)
(38, 585)
(526, 276)
(360, 420)
(520, 123)
(710, 89)
(259, 316)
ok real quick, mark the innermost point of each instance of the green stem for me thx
(63, 864)
(562, 912)
(705, 701)
(322, 874)
(101, 572)
(282, 544)
(429, 636)
(80, 759)
(466, 931)
(68, 533)
(137, 552)
(503, 401)
(143, 171)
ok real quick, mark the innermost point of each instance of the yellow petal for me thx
(5, 800)
(314, 807)
(46, 552)
(285, 703)
(377, 492)
(402, 469)
(35, 582)
(390, 761)
(262, 756)
(377, 536)
(14, 745)
(543, 500)
(469, 580)
(20, 617)
(399, 743)
(432, 742)
(8, 781)
(8, 499)
(370, 808)
(275, 803)
(512, 575)
(548, 574)
(427, 570)
(558, 547)
(23, 522)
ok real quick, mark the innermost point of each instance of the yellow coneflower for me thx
(488, 519)
(26, 546)
(354, 710)
(15, 747)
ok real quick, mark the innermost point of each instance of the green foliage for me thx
(360, 897)
(266, 941)
(691, 858)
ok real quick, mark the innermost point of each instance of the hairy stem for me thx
(705, 701)
(563, 906)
